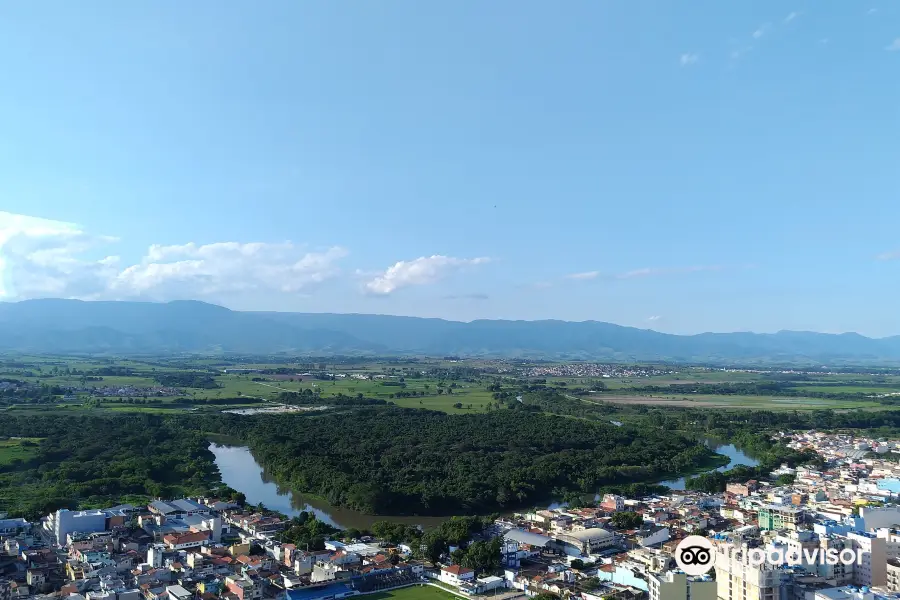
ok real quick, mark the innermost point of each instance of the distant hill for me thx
(73, 326)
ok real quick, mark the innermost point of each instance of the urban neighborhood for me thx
(615, 547)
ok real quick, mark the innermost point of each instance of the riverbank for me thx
(240, 471)
(732, 455)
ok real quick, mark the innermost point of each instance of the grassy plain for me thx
(742, 402)
(381, 379)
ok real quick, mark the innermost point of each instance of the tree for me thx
(785, 479)
(457, 405)
(457, 556)
(626, 520)
(433, 546)
(590, 584)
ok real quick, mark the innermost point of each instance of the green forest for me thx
(411, 461)
(388, 460)
(100, 461)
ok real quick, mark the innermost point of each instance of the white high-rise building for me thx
(871, 569)
(737, 579)
(676, 585)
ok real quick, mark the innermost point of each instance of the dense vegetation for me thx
(86, 461)
(540, 438)
(405, 461)
(186, 379)
(307, 397)
(306, 531)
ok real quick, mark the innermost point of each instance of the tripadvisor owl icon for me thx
(695, 555)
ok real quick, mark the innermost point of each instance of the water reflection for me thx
(241, 472)
(735, 455)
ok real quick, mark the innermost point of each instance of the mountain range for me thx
(74, 326)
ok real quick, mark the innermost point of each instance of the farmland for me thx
(42, 384)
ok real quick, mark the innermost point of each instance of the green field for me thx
(17, 449)
(742, 402)
(419, 381)
(850, 389)
(416, 592)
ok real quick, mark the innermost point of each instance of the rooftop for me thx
(526, 537)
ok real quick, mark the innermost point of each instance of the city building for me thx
(586, 541)
(676, 585)
(776, 516)
(455, 575)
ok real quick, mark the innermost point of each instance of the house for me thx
(176, 592)
(186, 540)
(651, 535)
(244, 588)
(455, 575)
(613, 503)
(13, 526)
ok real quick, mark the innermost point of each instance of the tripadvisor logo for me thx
(695, 555)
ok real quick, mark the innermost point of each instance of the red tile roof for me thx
(457, 570)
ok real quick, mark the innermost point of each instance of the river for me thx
(241, 472)
(736, 457)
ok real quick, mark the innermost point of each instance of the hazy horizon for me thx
(325, 312)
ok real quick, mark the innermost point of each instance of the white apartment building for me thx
(676, 585)
(893, 575)
(737, 579)
(871, 570)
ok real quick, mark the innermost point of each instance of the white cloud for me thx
(654, 318)
(894, 46)
(688, 58)
(212, 270)
(420, 271)
(871, 11)
(44, 258)
(585, 275)
(889, 255)
(762, 30)
(791, 16)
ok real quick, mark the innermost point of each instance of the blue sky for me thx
(702, 166)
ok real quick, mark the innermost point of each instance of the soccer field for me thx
(416, 592)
